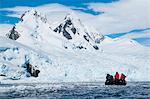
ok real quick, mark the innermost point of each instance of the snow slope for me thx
(59, 66)
(45, 49)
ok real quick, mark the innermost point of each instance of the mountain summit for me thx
(31, 18)
(34, 29)
(73, 30)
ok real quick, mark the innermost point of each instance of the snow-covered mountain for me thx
(67, 51)
(73, 29)
(34, 29)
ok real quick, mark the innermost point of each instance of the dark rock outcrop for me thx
(14, 35)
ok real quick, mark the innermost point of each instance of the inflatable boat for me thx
(119, 82)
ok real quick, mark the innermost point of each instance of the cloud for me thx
(124, 15)
(43, 8)
(54, 12)
(121, 16)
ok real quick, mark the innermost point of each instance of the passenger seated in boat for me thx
(109, 79)
(122, 78)
(117, 79)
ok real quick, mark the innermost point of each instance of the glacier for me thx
(84, 56)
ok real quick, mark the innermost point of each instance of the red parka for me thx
(117, 75)
(122, 76)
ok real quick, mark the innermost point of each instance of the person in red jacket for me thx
(117, 79)
(117, 76)
(122, 77)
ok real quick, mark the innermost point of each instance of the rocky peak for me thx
(67, 27)
(31, 19)
(13, 34)
(33, 14)
(73, 29)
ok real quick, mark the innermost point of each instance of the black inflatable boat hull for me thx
(113, 83)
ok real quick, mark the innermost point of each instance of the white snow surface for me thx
(44, 48)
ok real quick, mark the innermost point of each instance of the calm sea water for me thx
(134, 90)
